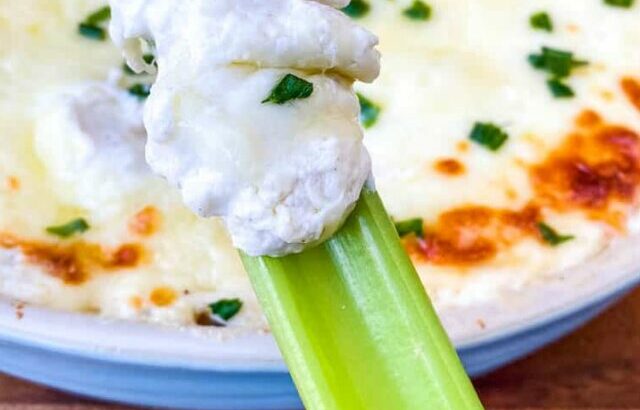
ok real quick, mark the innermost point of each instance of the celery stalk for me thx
(355, 325)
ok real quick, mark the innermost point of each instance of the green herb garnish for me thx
(127, 70)
(289, 88)
(619, 3)
(91, 28)
(418, 11)
(69, 229)
(147, 58)
(541, 21)
(552, 237)
(92, 32)
(558, 63)
(489, 135)
(410, 226)
(357, 9)
(369, 111)
(140, 90)
(559, 89)
(99, 16)
(226, 308)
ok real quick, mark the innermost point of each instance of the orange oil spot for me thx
(463, 146)
(595, 170)
(126, 256)
(450, 167)
(631, 88)
(163, 296)
(588, 119)
(146, 222)
(136, 302)
(472, 234)
(74, 262)
(13, 183)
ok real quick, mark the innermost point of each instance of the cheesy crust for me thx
(570, 164)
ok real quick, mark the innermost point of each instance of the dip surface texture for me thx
(506, 153)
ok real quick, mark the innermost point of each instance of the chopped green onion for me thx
(541, 21)
(140, 90)
(69, 229)
(92, 32)
(90, 26)
(488, 135)
(355, 325)
(619, 3)
(418, 11)
(147, 58)
(226, 308)
(559, 63)
(413, 226)
(551, 237)
(127, 70)
(357, 9)
(559, 89)
(289, 88)
(99, 16)
(369, 111)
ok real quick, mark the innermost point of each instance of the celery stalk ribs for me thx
(355, 325)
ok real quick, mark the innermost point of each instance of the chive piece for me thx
(357, 9)
(355, 325)
(226, 308)
(92, 32)
(560, 89)
(488, 135)
(127, 70)
(559, 63)
(418, 11)
(69, 229)
(147, 58)
(541, 21)
(619, 3)
(99, 16)
(90, 26)
(369, 111)
(289, 88)
(410, 226)
(140, 90)
(550, 236)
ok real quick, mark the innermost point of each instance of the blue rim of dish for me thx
(270, 366)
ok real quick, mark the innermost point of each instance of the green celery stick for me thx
(355, 325)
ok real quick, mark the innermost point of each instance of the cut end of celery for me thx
(355, 325)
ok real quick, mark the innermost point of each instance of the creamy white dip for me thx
(282, 177)
(91, 136)
(467, 63)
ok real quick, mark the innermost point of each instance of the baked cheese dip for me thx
(504, 138)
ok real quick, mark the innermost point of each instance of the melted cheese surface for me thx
(469, 64)
(568, 162)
